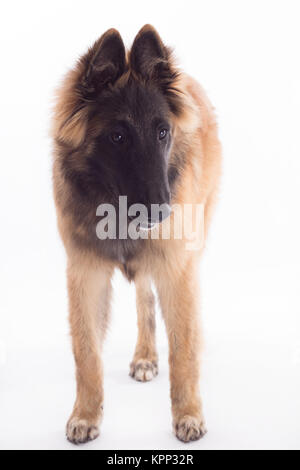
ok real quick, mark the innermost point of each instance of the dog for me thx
(131, 124)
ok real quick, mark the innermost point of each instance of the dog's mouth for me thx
(151, 224)
(147, 226)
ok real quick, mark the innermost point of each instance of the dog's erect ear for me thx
(151, 61)
(104, 63)
(148, 53)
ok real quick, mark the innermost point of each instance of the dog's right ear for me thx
(104, 63)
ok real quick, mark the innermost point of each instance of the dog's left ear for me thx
(148, 53)
(151, 61)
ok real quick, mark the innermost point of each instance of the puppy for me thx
(129, 126)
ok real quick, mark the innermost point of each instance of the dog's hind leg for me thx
(89, 299)
(144, 365)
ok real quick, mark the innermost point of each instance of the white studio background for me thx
(246, 55)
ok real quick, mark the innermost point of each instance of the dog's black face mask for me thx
(132, 121)
(131, 152)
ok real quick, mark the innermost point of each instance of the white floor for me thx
(250, 387)
(248, 402)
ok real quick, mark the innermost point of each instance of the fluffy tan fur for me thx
(166, 262)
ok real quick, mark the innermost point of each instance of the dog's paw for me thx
(189, 428)
(143, 370)
(80, 431)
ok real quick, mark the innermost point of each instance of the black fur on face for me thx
(130, 153)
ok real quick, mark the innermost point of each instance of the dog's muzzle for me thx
(152, 222)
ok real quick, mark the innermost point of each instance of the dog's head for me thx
(117, 119)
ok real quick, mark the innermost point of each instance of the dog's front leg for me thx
(89, 298)
(177, 293)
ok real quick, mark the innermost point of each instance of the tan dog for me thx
(130, 124)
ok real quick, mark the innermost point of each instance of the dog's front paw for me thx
(80, 431)
(143, 370)
(189, 428)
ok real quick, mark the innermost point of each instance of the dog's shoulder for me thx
(198, 101)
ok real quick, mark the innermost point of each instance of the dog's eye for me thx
(162, 134)
(117, 138)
